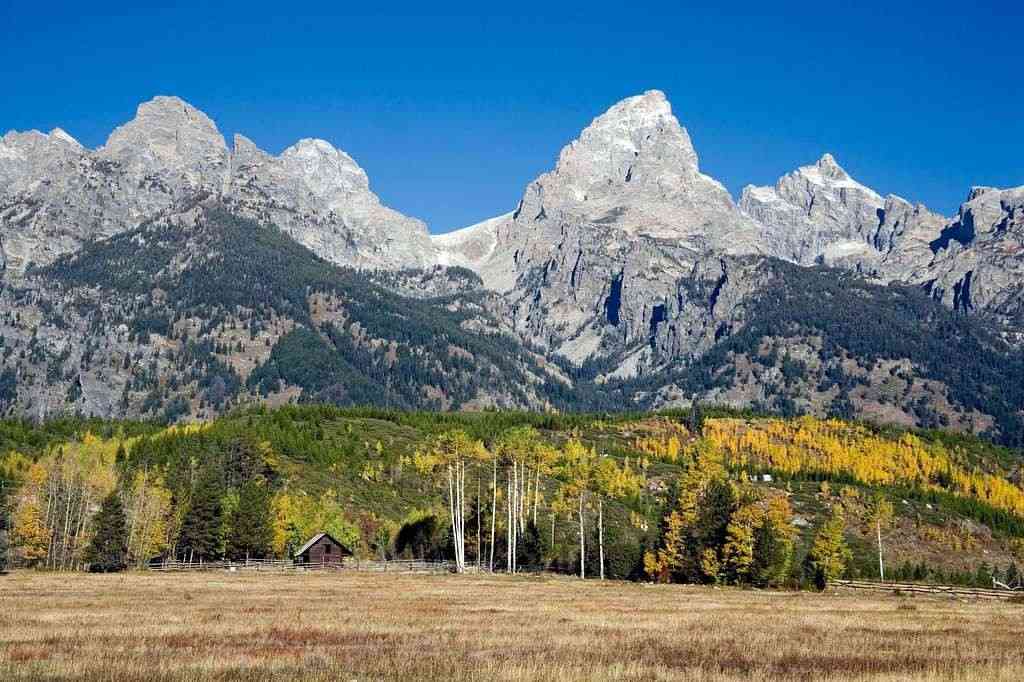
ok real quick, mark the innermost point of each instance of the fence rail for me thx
(914, 588)
(395, 566)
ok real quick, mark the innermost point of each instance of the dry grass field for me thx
(359, 626)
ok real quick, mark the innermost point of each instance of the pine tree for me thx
(201, 528)
(773, 553)
(1012, 575)
(108, 550)
(3, 550)
(251, 531)
(696, 419)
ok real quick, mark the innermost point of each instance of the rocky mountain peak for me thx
(634, 172)
(166, 123)
(829, 168)
(816, 212)
(61, 135)
(638, 134)
(325, 169)
(172, 140)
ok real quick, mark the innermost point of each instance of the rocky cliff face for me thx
(979, 256)
(55, 194)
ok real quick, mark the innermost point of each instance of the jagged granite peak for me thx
(54, 194)
(632, 173)
(170, 138)
(591, 257)
(321, 197)
(635, 170)
(817, 213)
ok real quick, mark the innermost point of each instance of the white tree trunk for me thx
(508, 524)
(536, 494)
(881, 567)
(583, 554)
(478, 526)
(600, 534)
(494, 511)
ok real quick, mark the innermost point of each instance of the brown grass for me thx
(358, 626)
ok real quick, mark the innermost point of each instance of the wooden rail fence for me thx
(914, 588)
(283, 565)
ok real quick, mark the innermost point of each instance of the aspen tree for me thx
(447, 457)
(615, 482)
(577, 472)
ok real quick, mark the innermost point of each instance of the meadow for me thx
(363, 626)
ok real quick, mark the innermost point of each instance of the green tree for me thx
(829, 553)
(251, 532)
(201, 528)
(108, 550)
(773, 551)
(3, 550)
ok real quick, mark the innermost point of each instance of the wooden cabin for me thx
(322, 548)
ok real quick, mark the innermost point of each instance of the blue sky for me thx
(452, 110)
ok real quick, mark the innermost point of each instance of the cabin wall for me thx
(324, 551)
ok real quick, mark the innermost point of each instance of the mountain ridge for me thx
(623, 276)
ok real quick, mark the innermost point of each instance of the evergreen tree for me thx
(3, 550)
(1012, 575)
(696, 419)
(773, 554)
(251, 531)
(108, 550)
(983, 576)
(531, 552)
(201, 528)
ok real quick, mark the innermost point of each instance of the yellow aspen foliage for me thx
(738, 551)
(29, 537)
(809, 445)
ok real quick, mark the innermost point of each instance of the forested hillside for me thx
(828, 342)
(201, 311)
(721, 498)
(193, 314)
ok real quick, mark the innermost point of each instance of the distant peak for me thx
(60, 134)
(830, 168)
(167, 132)
(316, 144)
(316, 148)
(166, 113)
(164, 102)
(638, 110)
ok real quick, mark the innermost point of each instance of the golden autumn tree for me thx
(576, 475)
(829, 553)
(696, 528)
(29, 535)
(446, 459)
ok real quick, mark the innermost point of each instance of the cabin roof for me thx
(316, 538)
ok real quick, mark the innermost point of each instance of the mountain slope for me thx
(200, 310)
